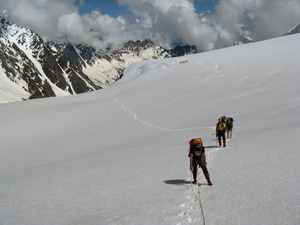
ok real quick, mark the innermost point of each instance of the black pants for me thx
(221, 134)
(199, 162)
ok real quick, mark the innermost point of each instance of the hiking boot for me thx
(209, 182)
(194, 182)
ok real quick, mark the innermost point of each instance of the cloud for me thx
(59, 20)
(39, 15)
(162, 21)
(264, 18)
(100, 31)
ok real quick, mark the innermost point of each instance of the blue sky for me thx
(113, 8)
(110, 7)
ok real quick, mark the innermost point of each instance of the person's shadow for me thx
(212, 146)
(177, 182)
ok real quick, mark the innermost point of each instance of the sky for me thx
(114, 9)
(109, 24)
(119, 155)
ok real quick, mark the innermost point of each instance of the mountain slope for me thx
(27, 61)
(119, 155)
(106, 67)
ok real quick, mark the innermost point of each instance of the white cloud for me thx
(161, 21)
(59, 20)
(178, 19)
(265, 18)
(167, 20)
(100, 31)
(39, 15)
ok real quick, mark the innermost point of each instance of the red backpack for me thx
(191, 145)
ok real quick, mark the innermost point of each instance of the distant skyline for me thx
(114, 9)
(109, 23)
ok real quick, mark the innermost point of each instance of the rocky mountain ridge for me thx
(294, 30)
(106, 67)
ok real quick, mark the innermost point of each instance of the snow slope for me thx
(119, 155)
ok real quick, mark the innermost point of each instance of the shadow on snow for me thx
(177, 182)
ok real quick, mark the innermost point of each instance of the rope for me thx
(200, 204)
(135, 116)
(200, 201)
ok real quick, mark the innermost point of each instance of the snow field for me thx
(119, 155)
